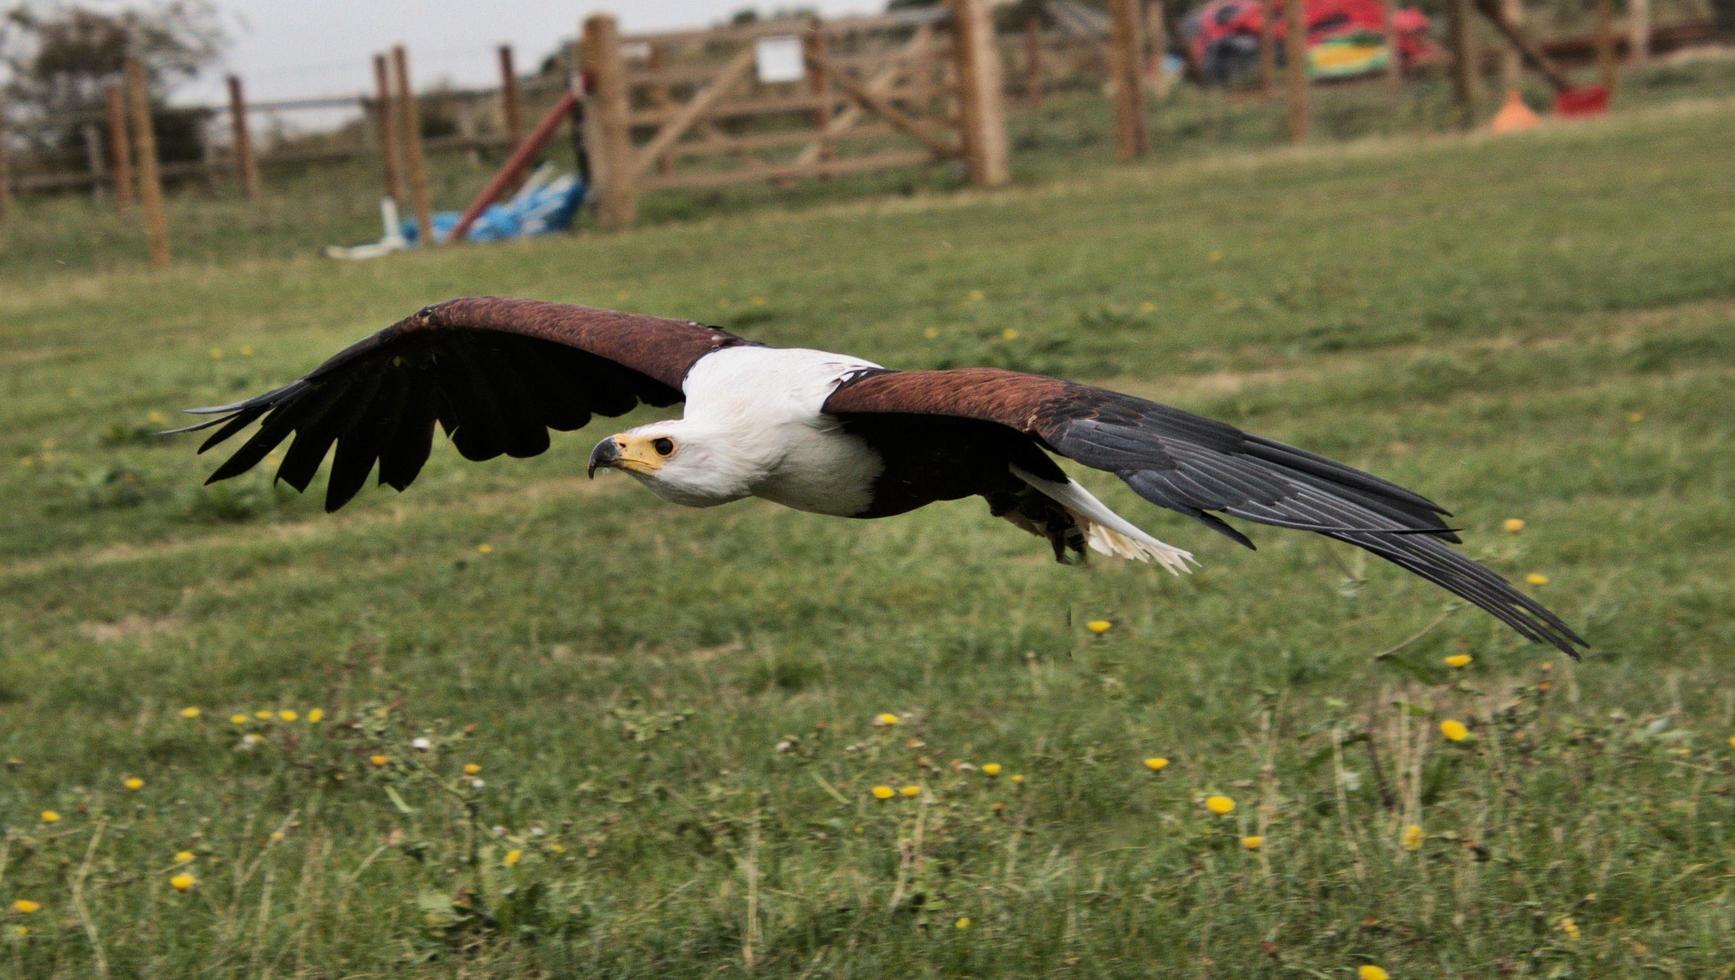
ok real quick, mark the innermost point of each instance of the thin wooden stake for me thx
(510, 108)
(246, 166)
(386, 122)
(1033, 62)
(150, 178)
(1607, 69)
(1638, 33)
(1295, 69)
(1463, 47)
(986, 153)
(5, 172)
(120, 156)
(1511, 59)
(1394, 61)
(612, 155)
(1268, 48)
(1125, 56)
(410, 120)
(813, 55)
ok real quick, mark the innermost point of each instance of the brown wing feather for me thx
(495, 373)
(1198, 466)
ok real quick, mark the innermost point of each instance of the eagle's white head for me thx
(679, 461)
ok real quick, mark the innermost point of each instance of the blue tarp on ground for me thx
(536, 210)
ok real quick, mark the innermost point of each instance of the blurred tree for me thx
(60, 57)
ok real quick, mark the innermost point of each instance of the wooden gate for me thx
(790, 99)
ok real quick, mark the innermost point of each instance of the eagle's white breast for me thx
(768, 400)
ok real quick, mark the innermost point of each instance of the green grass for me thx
(673, 710)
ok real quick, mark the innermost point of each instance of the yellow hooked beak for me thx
(635, 454)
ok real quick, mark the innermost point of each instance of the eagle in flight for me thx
(825, 433)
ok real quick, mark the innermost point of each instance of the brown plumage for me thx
(826, 433)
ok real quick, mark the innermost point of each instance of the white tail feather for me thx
(1106, 531)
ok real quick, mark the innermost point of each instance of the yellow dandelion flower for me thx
(931, 333)
(237, 719)
(1215, 256)
(883, 792)
(1099, 626)
(1367, 971)
(246, 350)
(216, 353)
(1220, 805)
(909, 791)
(1732, 741)
(472, 768)
(289, 714)
(963, 922)
(557, 847)
(976, 296)
(25, 906)
(155, 417)
(757, 301)
(315, 716)
(1010, 333)
(1635, 417)
(1536, 578)
(1459, 660)
(1156, 763)
(190, 712)
(1568, 926)
(1147, 307)
(133, 784)
(1017, 777)
(185, 857)
(512, 858)
(991, 769)
(49, 816)
(20, 931)
(183, 882)
(1454, 730)
(884, 719)
(1412, 837)
(484, 549)
(1513, 525)
(1253, 842)
(277, 837)
(263, 714)
(379, 761)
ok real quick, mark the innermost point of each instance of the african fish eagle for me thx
(825, 433)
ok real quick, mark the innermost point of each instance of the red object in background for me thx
(1224, 33)
(1591, 100)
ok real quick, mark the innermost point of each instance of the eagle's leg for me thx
(1030, 509)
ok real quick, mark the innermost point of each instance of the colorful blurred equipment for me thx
(1345, 38)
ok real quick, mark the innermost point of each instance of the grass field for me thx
(673, 713)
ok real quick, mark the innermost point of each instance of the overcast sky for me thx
(290, 48)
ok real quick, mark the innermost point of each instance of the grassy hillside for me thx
(673, 713)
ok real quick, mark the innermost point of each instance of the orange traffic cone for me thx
(1514, 115)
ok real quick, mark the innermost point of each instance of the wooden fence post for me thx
(410, 121)
(120, 157)
(1268, 47)
(1511, 59)
(1033, 62)
(986, 154)
(1638, 33)
(1125, 56)
(813, 55)
(1394, 61)
(612, 157)
(150, 179)
(1607, 69)
(511, 111)
(1463, 47)
(93, 160)
(1295, 67)
(246, 166)
(386, 120)
(5, 175)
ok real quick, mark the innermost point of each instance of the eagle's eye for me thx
(663, 445)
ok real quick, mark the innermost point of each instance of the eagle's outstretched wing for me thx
(1197, 466)
(496, 374)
